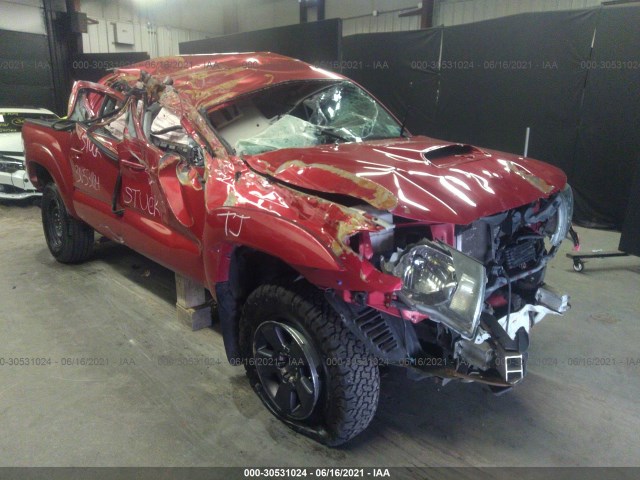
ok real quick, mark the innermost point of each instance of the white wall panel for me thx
(257, 15)
(356, 14)
(384, 22)
(137, 36)
(145, 41)
(22, 17)
(32, 3)
(163, 39)
(357, 17)
(103, 37)
(158, 26)
(354, 8)
(455, 12)
(174, 21)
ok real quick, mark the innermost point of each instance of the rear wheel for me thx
(69, 240)
(308, 369)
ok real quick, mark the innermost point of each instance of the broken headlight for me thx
(563, 216)
(443, 283)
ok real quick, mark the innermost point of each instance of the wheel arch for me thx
(43, 169)
(243, 270)
(39, 175)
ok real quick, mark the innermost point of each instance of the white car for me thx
(14, 182)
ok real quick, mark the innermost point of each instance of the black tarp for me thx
(537, 70)
(609, 135)
(630, 238)
(315, 42)
(400, 69)
(25, 71)
(507, 74)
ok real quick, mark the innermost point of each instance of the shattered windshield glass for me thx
(302, 114)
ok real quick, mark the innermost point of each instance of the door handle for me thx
(132, 165)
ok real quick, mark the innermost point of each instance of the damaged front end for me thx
(400, 232)
(470, 294)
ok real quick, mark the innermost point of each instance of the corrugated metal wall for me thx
(446, 12)
(384, 22)
(160, 25)
(257, 15)
(22, 16)
(357, 15)
(455, 12)
(158, 39)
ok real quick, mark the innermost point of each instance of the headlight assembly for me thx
(444, 284)
(563, 216)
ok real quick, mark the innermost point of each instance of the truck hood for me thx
(419, 178)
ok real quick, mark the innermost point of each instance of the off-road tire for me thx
(69, 240)
(349, 380)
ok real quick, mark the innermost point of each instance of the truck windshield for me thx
(302, 114)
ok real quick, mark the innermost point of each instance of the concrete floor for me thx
(119, 307)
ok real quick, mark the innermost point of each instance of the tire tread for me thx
(354, 389)
(77, 246)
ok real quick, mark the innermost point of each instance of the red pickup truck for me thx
(332, 240)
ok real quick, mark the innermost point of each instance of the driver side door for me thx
(161, 200)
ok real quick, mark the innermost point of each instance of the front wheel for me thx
(308, 369)
(69, 240)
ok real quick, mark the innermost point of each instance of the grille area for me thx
(374, 327)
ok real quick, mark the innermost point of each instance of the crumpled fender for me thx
(305, 231)
(270, 234)
(321, 259)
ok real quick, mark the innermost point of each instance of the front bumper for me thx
(16, 186)
(500, 345)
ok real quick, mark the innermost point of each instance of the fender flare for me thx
(228, 227)
(38, 155)
(222, 238)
